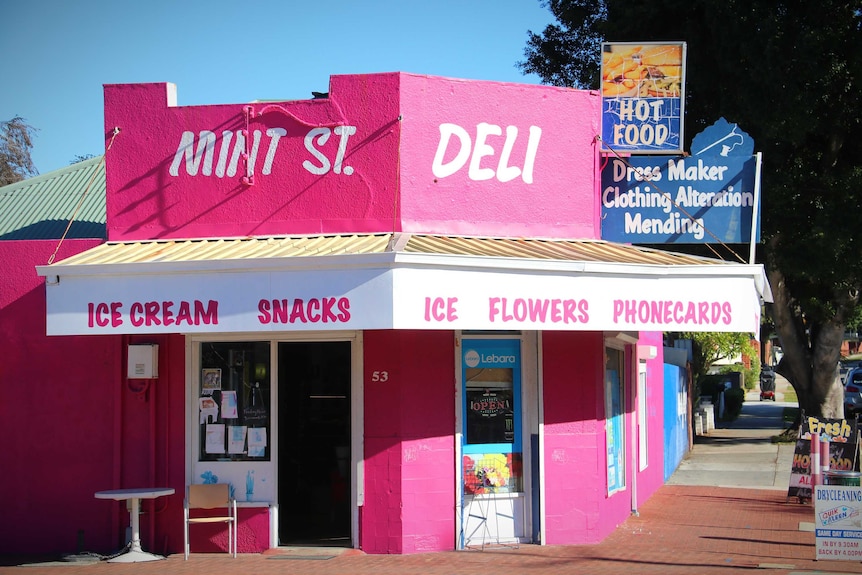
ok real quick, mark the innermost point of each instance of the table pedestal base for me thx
(134, 553)
(135, 556)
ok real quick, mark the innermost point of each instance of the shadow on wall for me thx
(54, 229)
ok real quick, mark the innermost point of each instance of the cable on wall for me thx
(84, 195)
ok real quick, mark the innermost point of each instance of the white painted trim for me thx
(541, 430)
(357, 434)
(459, 439)
(192, 438)
(530, 384)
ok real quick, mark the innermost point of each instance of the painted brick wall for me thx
(409, 444)
(383, 152)
(574, 436)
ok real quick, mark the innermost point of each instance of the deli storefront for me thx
(355, 330)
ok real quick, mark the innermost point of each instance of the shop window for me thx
(614, 417)
(234, 401)
(491, 416)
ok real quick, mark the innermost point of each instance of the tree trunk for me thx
(810, 360)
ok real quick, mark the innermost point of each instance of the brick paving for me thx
(680, 530)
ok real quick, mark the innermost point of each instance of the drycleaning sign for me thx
(838, 522)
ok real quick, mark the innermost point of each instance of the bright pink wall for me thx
(52, 414)
(74, 425)
(577, 506)
(145, 201)
(361, 160)
(409, 446)
(651, 478)
(574, 460)
(512, 191)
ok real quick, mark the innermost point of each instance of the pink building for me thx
(385, 317)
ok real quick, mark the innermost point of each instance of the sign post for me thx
(837, 513)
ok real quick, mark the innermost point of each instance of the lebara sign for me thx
(707, 197)
(642, 97)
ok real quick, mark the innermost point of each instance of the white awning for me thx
(396, 281)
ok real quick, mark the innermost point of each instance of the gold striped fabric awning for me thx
(339, 245)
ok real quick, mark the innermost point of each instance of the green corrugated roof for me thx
(40, 208)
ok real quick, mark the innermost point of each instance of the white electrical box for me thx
(143, 361)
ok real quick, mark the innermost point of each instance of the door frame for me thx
(357, 422)
(531, 424)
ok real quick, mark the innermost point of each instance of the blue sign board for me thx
(722, 139)
(707, 197)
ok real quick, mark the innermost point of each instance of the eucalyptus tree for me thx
(790, 75)
(16, 141)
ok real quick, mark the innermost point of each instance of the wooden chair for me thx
(211, 496)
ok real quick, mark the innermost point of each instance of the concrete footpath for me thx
(741, 453)
(724, 511)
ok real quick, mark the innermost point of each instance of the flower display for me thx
(492, 473)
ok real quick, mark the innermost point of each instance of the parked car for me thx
(853, 392)
(767, 382)
(845, 364)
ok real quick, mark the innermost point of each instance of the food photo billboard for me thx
(643, 90)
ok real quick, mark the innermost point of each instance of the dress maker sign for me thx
(707, 197)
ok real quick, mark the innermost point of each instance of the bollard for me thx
(814, 460)
(824, 458)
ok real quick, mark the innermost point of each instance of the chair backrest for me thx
(209, 496)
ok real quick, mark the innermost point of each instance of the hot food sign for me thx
(643, 91)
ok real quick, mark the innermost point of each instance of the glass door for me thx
(314, 443)
(492, 468)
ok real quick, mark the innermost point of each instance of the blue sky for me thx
(57, 54)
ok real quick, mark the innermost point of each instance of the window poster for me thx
(236, 439)
(492, 473)
(215, 438)
(208, 410)
(210, 381)
(257, 442)
(228, 405)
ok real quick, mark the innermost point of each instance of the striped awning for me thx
(396, 281)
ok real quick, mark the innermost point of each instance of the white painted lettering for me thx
(504, 172)
(206, 143)
(275, 134)
(322, 135)
(438, 168)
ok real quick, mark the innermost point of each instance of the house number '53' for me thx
(379, 376)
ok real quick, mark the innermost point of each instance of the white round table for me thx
(134, 553)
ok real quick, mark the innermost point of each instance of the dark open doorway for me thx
(314, 443)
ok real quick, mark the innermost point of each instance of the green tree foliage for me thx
(711, 347)
(16, 140)
(790, 74)
(81, 158)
